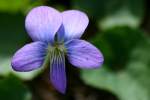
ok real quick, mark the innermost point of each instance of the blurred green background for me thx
(119, 28)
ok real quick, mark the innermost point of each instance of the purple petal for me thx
(83, 54)
(42, 23)
(57, 71)
(30, 57)
(74, 24)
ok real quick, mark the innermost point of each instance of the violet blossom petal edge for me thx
(29, 57)
(82, 54)
(42, 23)
(74, 23)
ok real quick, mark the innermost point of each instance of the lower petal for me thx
(29, 57)
(57, 71)
(83, 54)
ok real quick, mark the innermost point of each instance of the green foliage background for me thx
(117, 28)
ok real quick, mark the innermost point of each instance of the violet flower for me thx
(55, 36)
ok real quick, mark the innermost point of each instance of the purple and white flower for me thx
(55, 36)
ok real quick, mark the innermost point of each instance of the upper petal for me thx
(29, 57)
(83, 54)
(57, 71)
(74, 24)
(42, 23)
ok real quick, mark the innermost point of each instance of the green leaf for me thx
(122, 83)
(13, 37)
(131, 81)
(12, 89)
(123, 17)
(13, 5)
(113, 13)
(118, 43)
